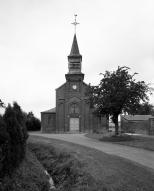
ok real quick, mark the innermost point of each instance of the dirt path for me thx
(141, 156)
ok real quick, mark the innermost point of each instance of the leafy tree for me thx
(117, 92)
(144, 109)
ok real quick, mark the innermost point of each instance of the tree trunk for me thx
(116, 125)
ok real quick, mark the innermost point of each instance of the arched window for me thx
(74, 108)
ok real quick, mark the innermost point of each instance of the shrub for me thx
(4, 145)
(14, 135)
(32, 123)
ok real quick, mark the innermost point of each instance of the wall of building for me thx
(65, 96)
(140, 127)
(60, 108)
(48, 122)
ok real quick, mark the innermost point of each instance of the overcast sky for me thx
(36, 38)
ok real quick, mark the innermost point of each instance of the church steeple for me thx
(75, 48)
(74, 58)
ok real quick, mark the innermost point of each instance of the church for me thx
(72, 112)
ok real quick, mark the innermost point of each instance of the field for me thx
(75, 167)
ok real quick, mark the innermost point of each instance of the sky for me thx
(36, 38)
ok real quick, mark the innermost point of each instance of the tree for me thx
(4, 147)
(144, 109)
(1, 103)
(21, 120)
(117, 92)
(14, 135)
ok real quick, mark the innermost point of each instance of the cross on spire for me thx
(75, 23)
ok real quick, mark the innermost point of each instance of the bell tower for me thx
(75, 58)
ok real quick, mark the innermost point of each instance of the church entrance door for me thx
(74, 124)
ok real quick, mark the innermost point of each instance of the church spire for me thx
(74, 57)
(75, 48)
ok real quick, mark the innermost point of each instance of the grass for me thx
(65, 169)
(84, 168)
(29, 176)
(128, 140)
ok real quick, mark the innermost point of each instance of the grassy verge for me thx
(66, 170)
(29, 176)
(78, 168)
(128, 140)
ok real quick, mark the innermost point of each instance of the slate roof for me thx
(137, 117)
(75, 48)
(53, 110)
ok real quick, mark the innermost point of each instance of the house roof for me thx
(137, 117)
(53, 110)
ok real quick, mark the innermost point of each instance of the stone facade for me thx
(73, 112)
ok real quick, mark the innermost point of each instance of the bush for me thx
(32, 123)
(13, 136)
(4, 145)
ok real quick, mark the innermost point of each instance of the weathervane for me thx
(75, 23)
